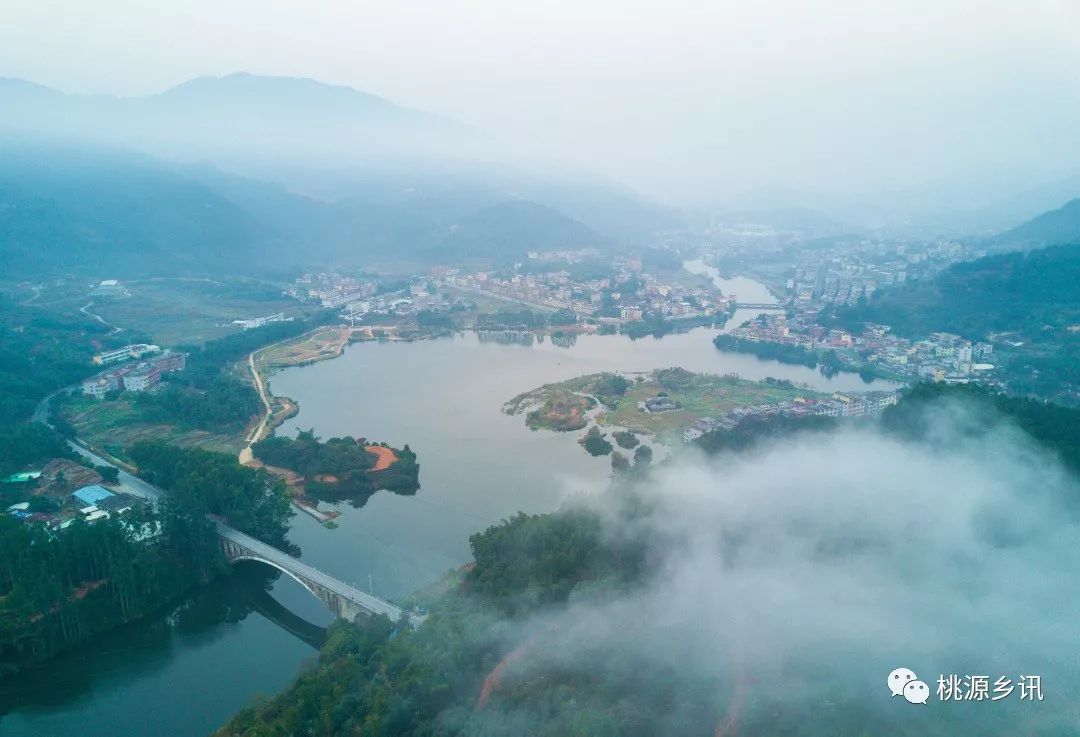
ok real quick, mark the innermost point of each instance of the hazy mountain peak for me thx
(237, 117)
(245, 88)
(16, 86)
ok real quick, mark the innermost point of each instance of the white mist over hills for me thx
(238, 118)
(902, 104)
(793, 578)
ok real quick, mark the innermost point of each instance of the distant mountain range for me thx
(1051, 228)
(246, 171)
(234, 117)
(99, 212)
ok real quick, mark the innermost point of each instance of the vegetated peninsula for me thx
(342, 469)
(672, 405)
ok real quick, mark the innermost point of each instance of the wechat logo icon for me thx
(904, 682)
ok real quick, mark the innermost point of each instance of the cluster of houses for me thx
(838, 405)
(630, 294)
(71, 491)
(937, 357)
(848, 272)
(258, 322)
(332, 290)
(134, 377)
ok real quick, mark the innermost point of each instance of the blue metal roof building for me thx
(91, 495)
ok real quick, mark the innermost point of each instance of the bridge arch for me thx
(340, 598)
(306, 584)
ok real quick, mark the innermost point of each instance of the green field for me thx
(188, 311)
(115, 425)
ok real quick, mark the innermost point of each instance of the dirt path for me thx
(256, 434)
(246, 457)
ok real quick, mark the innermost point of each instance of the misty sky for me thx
(681, 99)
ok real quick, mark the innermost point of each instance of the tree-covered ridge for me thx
(1024, 292)
(1026, 303)
(341, 469)
(1051, 426)
(1050, 228)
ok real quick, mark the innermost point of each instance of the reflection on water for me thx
(193, 664)
(509, 337)
(564, 340)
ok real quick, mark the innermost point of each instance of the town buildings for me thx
(135, 377)
(135, 350)
(258, 322)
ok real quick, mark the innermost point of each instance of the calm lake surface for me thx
(183, 674)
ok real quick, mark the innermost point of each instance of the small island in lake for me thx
(670, 405)
(341, 469)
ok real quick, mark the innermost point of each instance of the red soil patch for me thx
(495, 676)
(385, 457)
(327, 478)
(81, 591)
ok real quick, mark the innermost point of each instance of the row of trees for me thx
(226, 404)
(202, 482)
(58, 589)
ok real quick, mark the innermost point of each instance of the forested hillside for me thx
(1023, 292)
(104, 212)
(1049, 229)
(109, 213)
(60, 587)
(1027, 303)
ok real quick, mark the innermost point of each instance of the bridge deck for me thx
(368, 602)
(758, 306)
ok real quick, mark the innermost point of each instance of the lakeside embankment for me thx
(320, 344)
